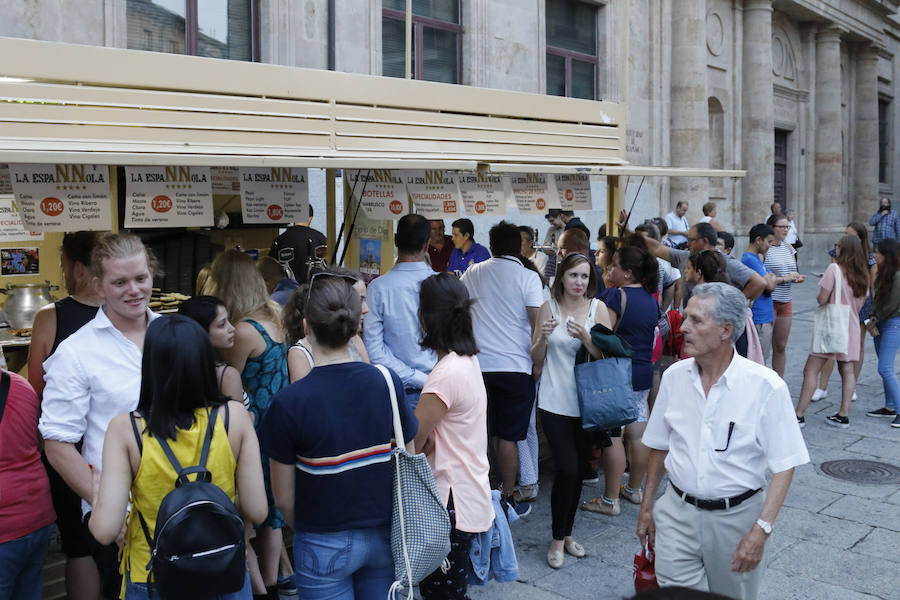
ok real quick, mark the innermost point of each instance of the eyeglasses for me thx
(727, 441)
(349, 278)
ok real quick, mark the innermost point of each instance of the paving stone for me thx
(887, 450)
(821, 529)
(589, 580)
(873, 576)
(809, 498)
(779, 585)
(881, 543)
(514, 590)
(809, 475)
(870, 512)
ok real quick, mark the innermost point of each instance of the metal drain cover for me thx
(862, 471)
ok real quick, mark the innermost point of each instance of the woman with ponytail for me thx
(328, 436)
(452, 414)
(634, 312)
(563, 325)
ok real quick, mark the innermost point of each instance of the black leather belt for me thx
(723, 504)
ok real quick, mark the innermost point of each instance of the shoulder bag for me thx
(605, 395)
(420, 525)
(831, 325)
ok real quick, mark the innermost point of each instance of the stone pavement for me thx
(833, 540)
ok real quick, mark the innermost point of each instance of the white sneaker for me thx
(819, 394)
(854, 396)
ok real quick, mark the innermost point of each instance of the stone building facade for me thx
(800, 93)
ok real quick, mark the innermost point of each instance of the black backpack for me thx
(198, 547)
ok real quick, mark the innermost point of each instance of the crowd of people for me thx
(273, 388)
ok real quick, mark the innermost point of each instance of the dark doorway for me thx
(780, 188)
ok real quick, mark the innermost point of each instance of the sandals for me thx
(597, 505)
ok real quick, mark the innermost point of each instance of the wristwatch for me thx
(765, 526)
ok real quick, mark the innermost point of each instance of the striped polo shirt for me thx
(780, 260)
(335, 427)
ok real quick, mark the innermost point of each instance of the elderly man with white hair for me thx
(720, 425)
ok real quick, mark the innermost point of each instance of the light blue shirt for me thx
(391, 330)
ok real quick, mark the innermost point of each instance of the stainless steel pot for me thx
(24, 300)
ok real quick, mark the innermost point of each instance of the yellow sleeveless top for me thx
(156, 478)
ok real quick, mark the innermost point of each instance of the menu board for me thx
(482, 194)
(57, 197)
(532, 192)
(274, 195)
(434, 193)
(12, 228)
(382, 191)
(5, 181)
(168, 197)
(225, 180)
(574, 191)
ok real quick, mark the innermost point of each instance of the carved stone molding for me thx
(715, 33)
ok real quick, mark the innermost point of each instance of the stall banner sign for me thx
(574, 191)
(434, 193)
(5, 181)
(12, 228)
(532, 192)
(57, 197)
(226, 181)
(168, 197)
(382, 191)
(272, 195)
(482, 193)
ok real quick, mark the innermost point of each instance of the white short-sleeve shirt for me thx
(503, 289)
(703, 460)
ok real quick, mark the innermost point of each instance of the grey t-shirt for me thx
(737, 272)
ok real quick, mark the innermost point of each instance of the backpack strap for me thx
(200, 468)
(5, 382)
(227, 417)
(140, 444)
(137, 434)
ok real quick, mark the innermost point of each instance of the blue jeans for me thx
(22, 565)
(886, 345)
(140, 591)
(344, 565)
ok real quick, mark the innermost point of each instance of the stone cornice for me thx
(788, 92)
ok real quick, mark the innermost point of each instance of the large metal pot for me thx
(24, 300)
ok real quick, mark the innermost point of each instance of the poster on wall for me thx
(434, 193)
(532, 192)
(482, 194)
(369, 259)
(19, 261)
(168, 197)
(272, 195)
(383, 192)
(62, 197)
(12, 228)
(573, 191)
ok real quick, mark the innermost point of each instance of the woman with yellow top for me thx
(178, 389)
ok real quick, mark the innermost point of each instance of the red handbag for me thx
(644, 571)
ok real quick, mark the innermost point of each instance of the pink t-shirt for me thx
(459, 458)
(856, 302)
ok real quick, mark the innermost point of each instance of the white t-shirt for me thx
(673, 221)
(539, 259)
(503, 289)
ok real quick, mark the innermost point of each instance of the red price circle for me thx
(52, 206)
(570, 195)
(396, 207)
(275, 212)
(540, 204)
(480, 207)
(161, 204)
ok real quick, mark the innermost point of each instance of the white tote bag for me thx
(831, 326)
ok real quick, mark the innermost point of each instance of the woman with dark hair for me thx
(211, 314)
(781, 260)
(634, 273)
(603, 257)
(884, 325)
(452, 414)
(564, 325)
(707, 266)
(329, 439)
(852, 265)
(178, 391)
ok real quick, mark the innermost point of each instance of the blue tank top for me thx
(266, 374)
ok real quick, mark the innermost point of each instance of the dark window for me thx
(780, 189)
(572, 58)
(884, 139)
(436, 40)
(215, 28)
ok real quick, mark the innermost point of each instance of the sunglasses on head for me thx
(349, 278)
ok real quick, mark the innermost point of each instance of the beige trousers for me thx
(694, 547)
(765, 340)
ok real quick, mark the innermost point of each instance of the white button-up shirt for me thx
(94, 375)
(694, 428)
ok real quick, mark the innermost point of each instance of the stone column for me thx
(689, 130)
(865, 146)
(827, 202)
(758, 113)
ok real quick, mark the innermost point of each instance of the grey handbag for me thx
(420, 525)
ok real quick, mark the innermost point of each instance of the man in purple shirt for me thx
(466, 251)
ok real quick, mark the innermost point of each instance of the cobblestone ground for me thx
(833, 540)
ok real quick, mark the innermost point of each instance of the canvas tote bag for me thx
(831, 325)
